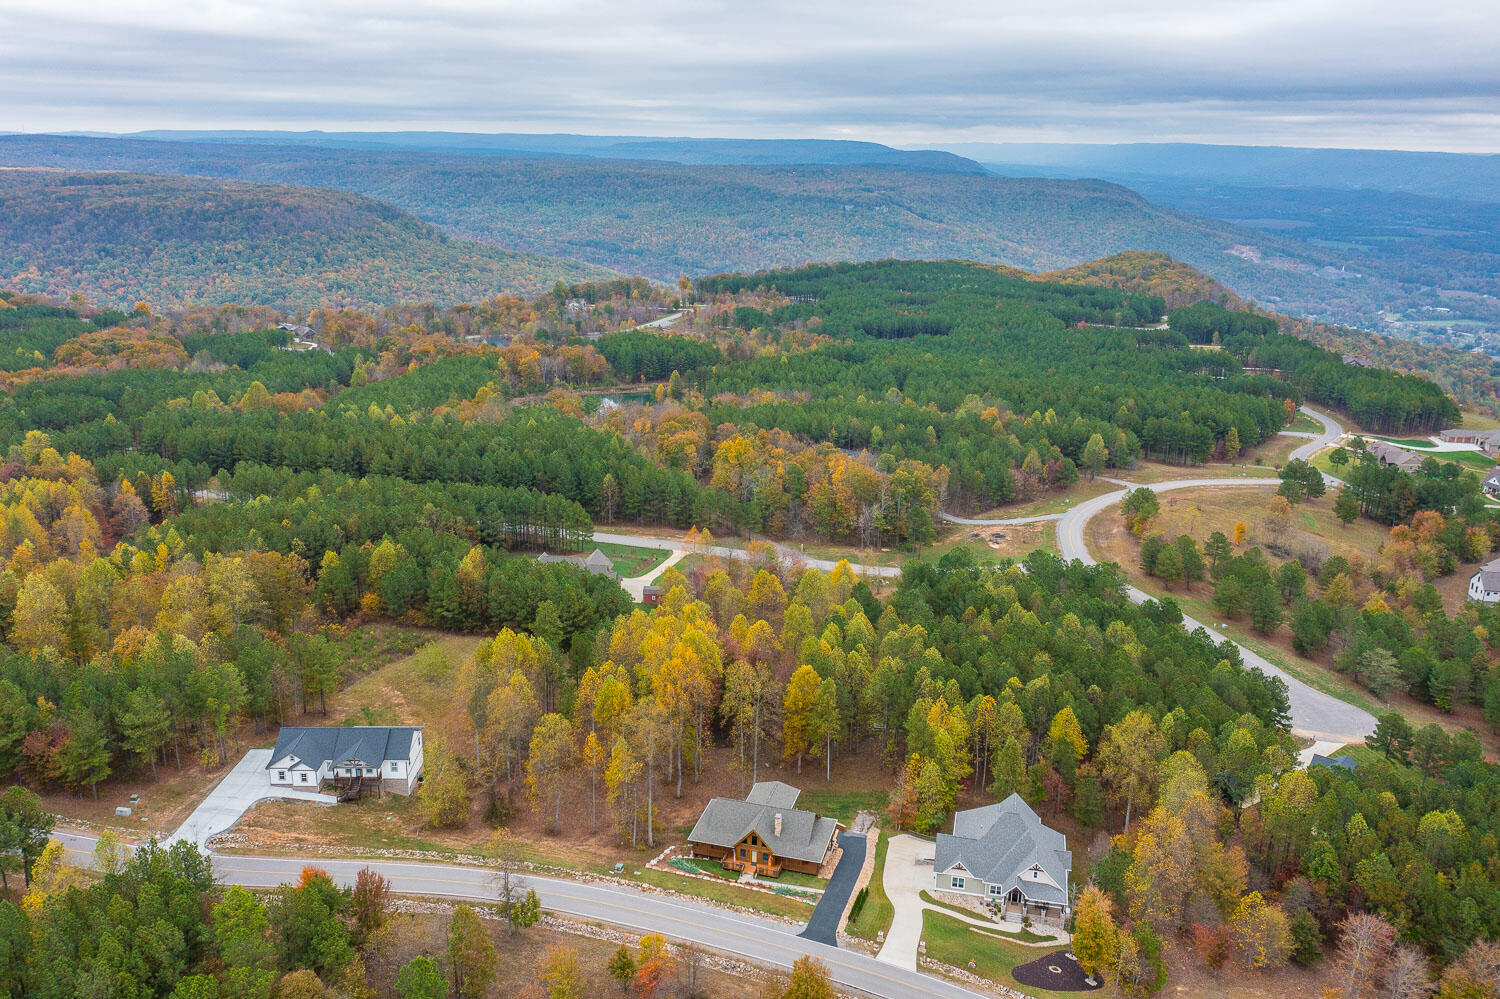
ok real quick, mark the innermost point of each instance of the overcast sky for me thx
(1364, 73)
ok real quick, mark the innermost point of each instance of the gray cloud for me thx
(1307, 72)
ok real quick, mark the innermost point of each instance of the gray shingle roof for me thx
(805, 836)
(1343, 761)
(773, 793)
(1493, 479)
(370, 744)
(1489, 576)
(999, 843)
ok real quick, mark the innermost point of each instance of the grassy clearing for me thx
(878, 912)
(843, 805)
(630, 560)
(956, 944)
(1408, 443)
(1304, 424)
(1058, 503)
(1024, 936)
(416, 689)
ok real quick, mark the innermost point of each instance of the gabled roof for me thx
(1493, 479)
(1343, 761)
(598, 560)
(773, 793)
(1390, 454)
(1489, 576)
(337, 745)
(804, 835)
(999, 843)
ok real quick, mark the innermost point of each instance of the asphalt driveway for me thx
(823, 927)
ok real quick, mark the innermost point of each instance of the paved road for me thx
(784, 551)
(823, 927)
(758, 940)
(998, 523)
(1314, 713)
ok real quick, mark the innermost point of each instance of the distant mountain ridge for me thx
(686, 150)
(664, 220)
(119, 238)
(1465, 176)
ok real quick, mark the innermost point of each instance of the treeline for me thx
(207, 619)
(1209, 322)
(965, 677)
(858, 298)
(638, 355)
(1384, 400)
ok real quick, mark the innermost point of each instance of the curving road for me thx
(1314, 714)
(758, 940)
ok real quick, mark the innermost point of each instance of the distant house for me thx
(1491, 484)
(1004, 852)
(1488, 441)
(380, 757)
(651, 595)
(1484, 585)
(596, 562)
(764, 832)
(1387, 453)
(300, 332)
(1358, 362)
(1343, 761)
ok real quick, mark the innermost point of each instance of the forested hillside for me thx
(665, 220)
(122, 238)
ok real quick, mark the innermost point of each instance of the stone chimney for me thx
(776, 826)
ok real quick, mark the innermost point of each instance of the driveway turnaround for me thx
(824, 924)
(757, 940)
(248, 783)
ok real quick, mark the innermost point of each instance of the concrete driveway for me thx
(248, 783)
(908, 872)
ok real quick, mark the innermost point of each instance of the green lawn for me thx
(876, 916)
(1305, 424)
(630, 560)
(725, 892)
(1399, 442)
(955, 944)
(1024, 936)
(843, 805)
(796, 879)
(708, 867)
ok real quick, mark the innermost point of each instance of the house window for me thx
(1036, 875)
(302, 778)
(956, 881)
(393, 766)
(742, 853)
(996, 889)
(281, 775)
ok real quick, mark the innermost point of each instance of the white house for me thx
(1484, 585)
(1004, 852)
(306, 757)
(1491, 483)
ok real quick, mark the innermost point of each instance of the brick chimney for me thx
(777, 824)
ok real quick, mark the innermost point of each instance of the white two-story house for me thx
(1003, 852)
(306, 757)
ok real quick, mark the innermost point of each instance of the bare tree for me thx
(1364, 947)
(1406, 976)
